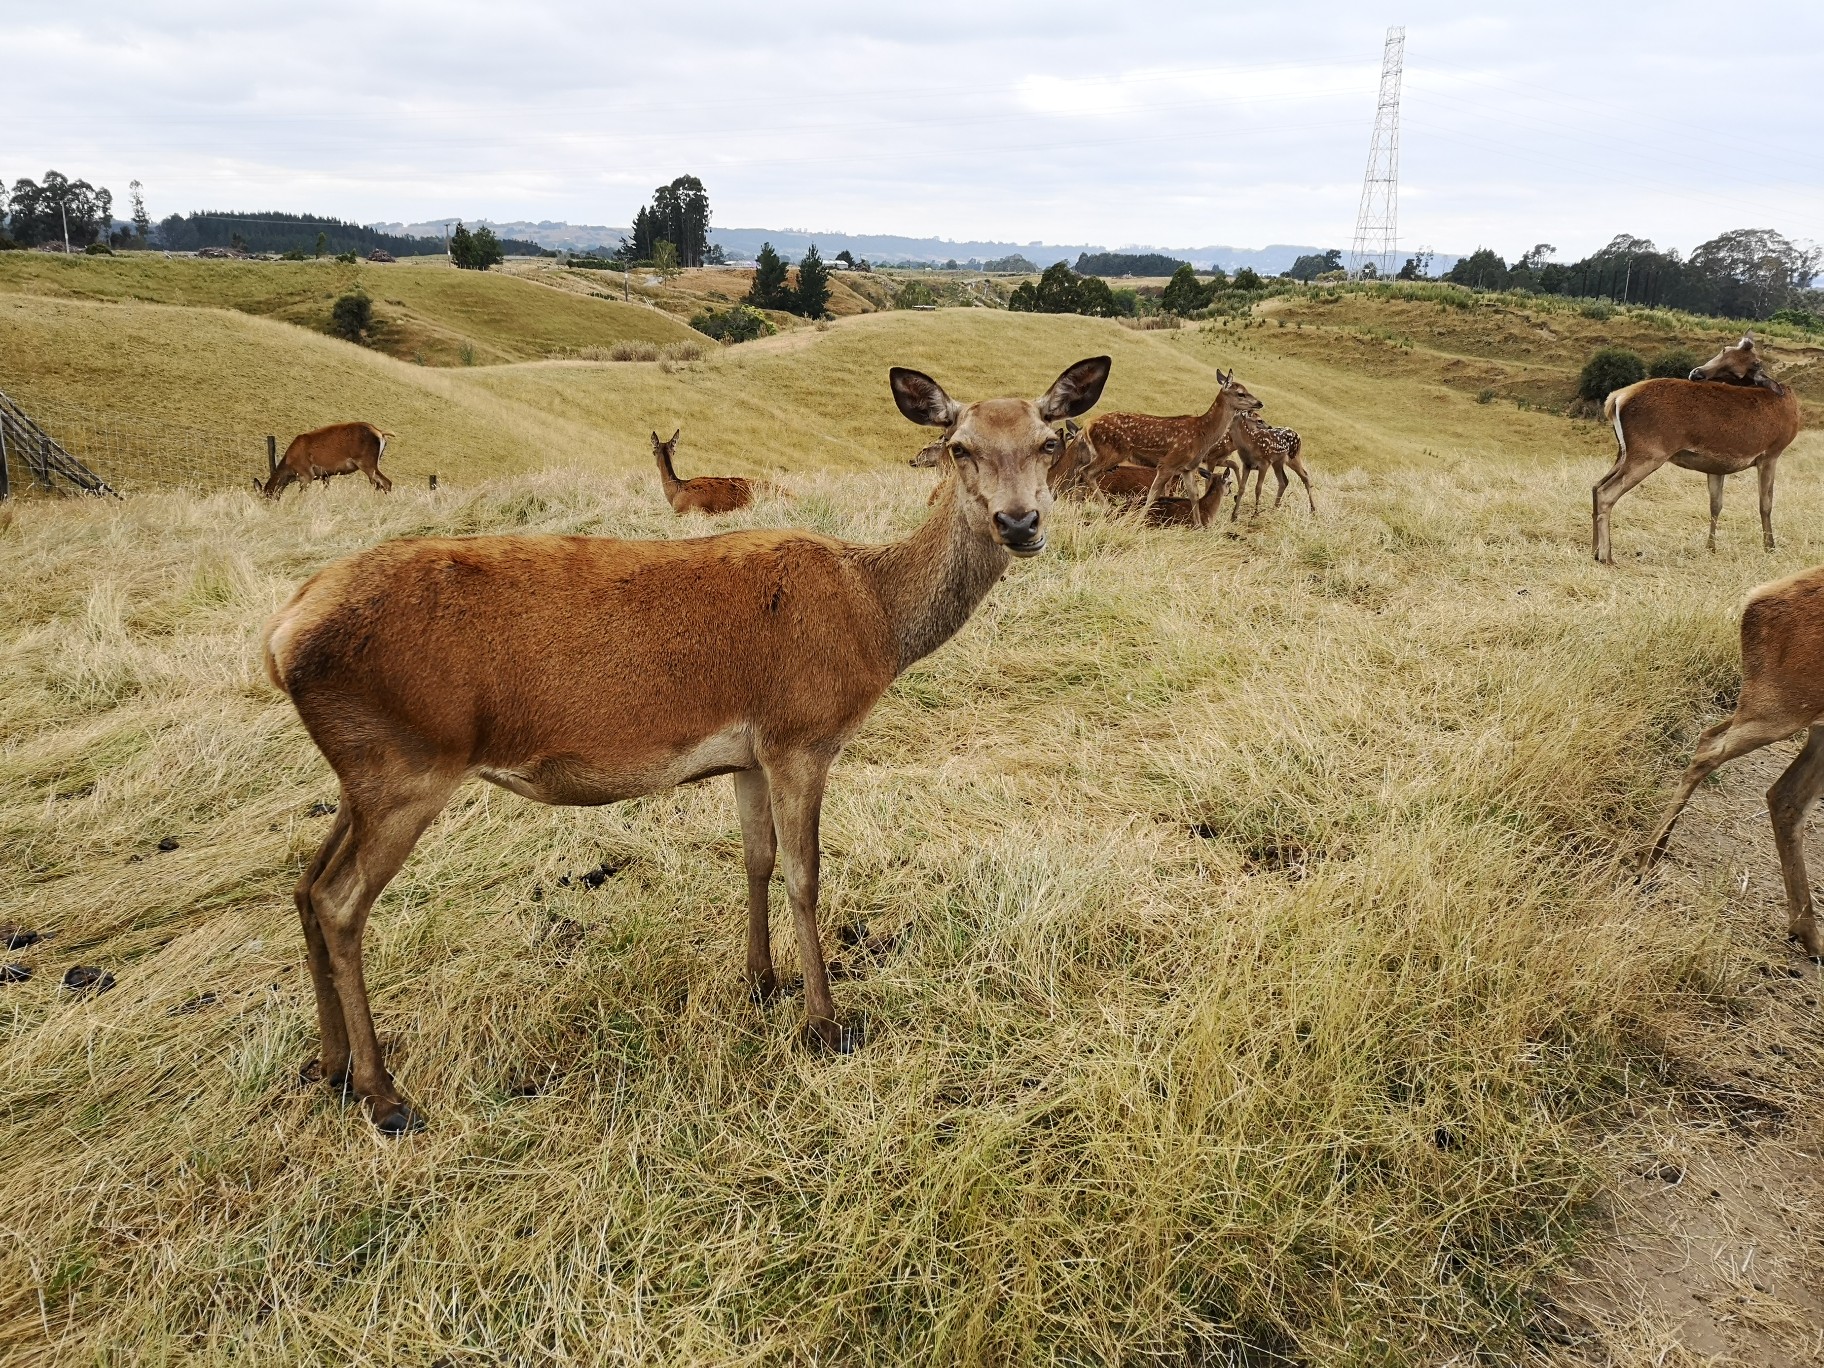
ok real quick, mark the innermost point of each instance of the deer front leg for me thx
(1765, 471)
(1162, 476)
(797, 790)
(759, 843)
(1716, 505)
(1789, 803)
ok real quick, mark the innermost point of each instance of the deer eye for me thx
(1051, 445)
(961, 453)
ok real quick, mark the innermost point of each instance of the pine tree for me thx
(812, 297)
(769, 290)
(462, 248)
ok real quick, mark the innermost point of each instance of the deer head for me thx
(1738, 365)
(1002, 449)
(1241, 399)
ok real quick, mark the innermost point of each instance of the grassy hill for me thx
(1257, 978)
(427, 311)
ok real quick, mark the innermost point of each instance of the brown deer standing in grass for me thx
(586, 670)
(1173, 447)
(706, 493)
(1742, 417)
(1782, 693)
(339, 449)
(1259, 447)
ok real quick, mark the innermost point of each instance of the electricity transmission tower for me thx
(1377, 221)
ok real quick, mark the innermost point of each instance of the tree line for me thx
(1747, 273)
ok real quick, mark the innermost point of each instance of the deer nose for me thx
(1018, 531)
(1695, 375)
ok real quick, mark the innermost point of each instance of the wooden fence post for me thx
(44, 463)
(6, 488)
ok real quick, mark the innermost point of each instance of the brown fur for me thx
(706, 493)
(1257, 448)
(339, 449)
(1199, 512)
(581, 670)
(1729, 416)
(1173, 447)
(1782, 693)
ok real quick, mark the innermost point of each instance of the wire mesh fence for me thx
(56, 448)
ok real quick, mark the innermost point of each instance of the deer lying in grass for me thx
(1259, 447)
(1782, 693)
(706, 493)
(586, 670)
(1187, 512)
(339, 449)
(1173, 447)
(1741, 418)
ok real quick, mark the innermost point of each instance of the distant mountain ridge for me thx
(742, 244)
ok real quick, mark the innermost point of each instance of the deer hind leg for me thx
(1716, 505)
(1789, 803)
(1298, 467)
(1279, 473)
(1765, 471)
(378, 840)
(797, 782)
(331, 1063)
(1628, 471)
(1162, 476)
(759, 842)
(1729, 739)
(1241, 487)
(377, 478)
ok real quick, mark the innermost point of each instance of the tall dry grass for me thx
(1252, 966)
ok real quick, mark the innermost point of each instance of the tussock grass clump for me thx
(633, 351)
(1247, 965)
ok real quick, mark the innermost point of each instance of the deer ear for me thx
(1076, 391)
(1747, 342)
(921, 398)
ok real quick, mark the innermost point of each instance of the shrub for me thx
(634, 351)
(1673, 365)
(98, 249)
(680, 352)
(1185, 294)
(1799, 318)
(739, 323)
(1485, 396)
(1599, 309)
(351, 316)
(1608, 370)
(8, 245)
(1247, 278)
(915, 294)
(295, 254)
(347, 258)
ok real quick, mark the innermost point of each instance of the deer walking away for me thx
(583, 671)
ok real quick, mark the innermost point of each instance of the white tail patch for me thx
(1620, 436)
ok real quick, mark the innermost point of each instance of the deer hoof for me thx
(763, 988)
(833, 1037)
(312, 1073)
(1806, 934)
(401, 1118)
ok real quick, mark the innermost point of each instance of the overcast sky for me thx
(1114, 123)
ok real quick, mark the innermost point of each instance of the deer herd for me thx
(636, 666)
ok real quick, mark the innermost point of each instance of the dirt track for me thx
(1717, 1251)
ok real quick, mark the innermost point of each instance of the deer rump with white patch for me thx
(339, 449)
(1729, 416)
(587, 670)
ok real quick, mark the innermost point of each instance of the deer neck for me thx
(931, 582)
(1217, 420)
(667, 476)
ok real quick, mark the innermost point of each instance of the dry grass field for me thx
(1242, 924)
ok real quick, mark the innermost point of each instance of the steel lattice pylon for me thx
(1377, 222)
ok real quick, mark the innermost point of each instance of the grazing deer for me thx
(1743, 417)
(1173, 447)
(706, 493)
(588, 670)
(1135, 482)
(339, 449)
(1259, 447)
(1782, 693)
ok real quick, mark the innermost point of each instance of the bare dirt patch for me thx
(1716, 1248)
